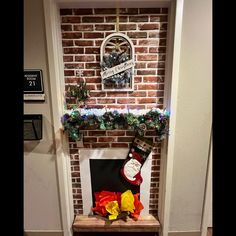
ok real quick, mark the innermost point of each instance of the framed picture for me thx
(117, 63)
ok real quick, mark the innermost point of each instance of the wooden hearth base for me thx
(95, 224)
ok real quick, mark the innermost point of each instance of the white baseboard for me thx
(185, 233)
(43, 233)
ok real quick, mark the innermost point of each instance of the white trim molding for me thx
(168, 157)
(56, 74)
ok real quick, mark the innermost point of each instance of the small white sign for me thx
(31, 97)
(117, 69)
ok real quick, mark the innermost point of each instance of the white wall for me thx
(41, 196)
(194, 119)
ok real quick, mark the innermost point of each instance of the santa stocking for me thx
(138, 153)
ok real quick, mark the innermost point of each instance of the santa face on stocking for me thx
(137, 155)
(131, 169)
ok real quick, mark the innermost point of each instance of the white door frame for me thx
(56, 74)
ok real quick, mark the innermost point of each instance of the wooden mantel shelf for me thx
(95, 224)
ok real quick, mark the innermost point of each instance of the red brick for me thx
(115, 133)
(130, 133)
(164, 10)
(153, 50)
(106, 101)
(128, 11)
(98, 43)
(138, 94)
(69, 73)
(71, 35)
(117, 94)
(92, 50)
(105, 11)
(92, 19)
(161, 86)
(83, 27)
(158, 18)
(88, 73)
(104, 27)
(100, 145)
(66, 27)
(147, 86)
(65, 12)
(66, 43)
(94, 80)
(90, 87)
(125, 100)
(90, 139)
(137, 34)
(127, 27)
(161, 57)
(113, 19)
(146, 100)
(92, 65)
(162, 42)
(150, 26)
(74, 65)
(141, 50)
(75, 174)
(152, 65)
(90, 101)
(137, 106)
(67, 58)
(83, 11)
(120, 145)
(153, 34)
(84, 58)
(138, 18)
(155, 93)
(161, 72)
(96, 94)
(146, 72)
(125, 139)
(137, 79)
(147, 57)
(149, 10)
(116, 106)
(140, 65)
(73, 50)
(161, 49)
(98, 72)
(84, 43)
(93, 35)
(71, 19)
(106, 139)
(162, 34)
(155, 168)
(163, 26)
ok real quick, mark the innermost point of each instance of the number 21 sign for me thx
(33, 85)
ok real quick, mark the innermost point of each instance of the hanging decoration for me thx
(107, 119)
(79, 92)
(117, 61)
(116, 205)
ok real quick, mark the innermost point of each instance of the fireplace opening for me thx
(105, 176)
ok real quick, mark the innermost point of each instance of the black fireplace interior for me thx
(105, 176)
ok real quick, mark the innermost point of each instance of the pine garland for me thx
(154, 119)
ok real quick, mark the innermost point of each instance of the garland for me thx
(107, 120)
(111, 60)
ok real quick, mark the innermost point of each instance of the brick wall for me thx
(83, 31)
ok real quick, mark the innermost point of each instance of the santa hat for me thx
(136, 156)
